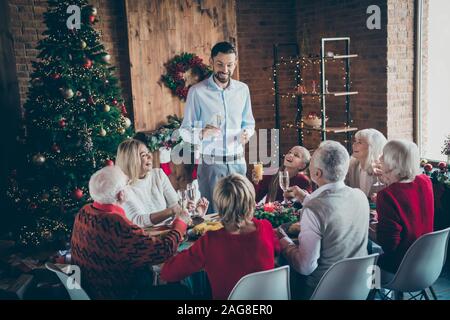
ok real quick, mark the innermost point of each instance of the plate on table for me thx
(196, 220)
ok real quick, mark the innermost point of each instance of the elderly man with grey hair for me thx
(334, 220)
(113, 253)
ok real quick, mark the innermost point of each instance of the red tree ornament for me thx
(91, 100)
(77, 194)
(123, 110)
(442, 165)
(92, 18)
(62, 123)
(87, 63)
(109, 163)
(115, 102)
(55, 76)
(428, 167)
(56, 148)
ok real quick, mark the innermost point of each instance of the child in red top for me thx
(245, 244)
(405, 207)
(295, 162)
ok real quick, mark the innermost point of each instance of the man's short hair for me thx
(223, 47)
(333, 159)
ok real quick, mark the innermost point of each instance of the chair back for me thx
(348, 279)
(71, 284)
(422, 263)
(265, 285)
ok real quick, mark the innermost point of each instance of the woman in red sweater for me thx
(405, 207)
(295, 163)
(245, 244)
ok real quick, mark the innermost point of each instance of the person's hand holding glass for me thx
(213, 128)
(295, 192)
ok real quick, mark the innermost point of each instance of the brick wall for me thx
(327, 18)
(400, 59)
(261, 24)
(27, 25)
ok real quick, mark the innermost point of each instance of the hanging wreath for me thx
(177, 78)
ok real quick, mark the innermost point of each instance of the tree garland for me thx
(175, 80)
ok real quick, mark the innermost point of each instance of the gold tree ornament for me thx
(67, 93)
(106, 108)
(83, 44)
(102, 132)
(106, 58)
(126, 122)
(38, 159)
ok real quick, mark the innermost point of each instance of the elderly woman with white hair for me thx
(112, 252)
(334, 219)
(405, 207)
(367, 148)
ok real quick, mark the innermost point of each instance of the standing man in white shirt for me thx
(218, 119)
(334, 220)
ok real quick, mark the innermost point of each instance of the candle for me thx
(269, 207)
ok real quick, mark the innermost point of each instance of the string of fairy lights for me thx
(314, 95)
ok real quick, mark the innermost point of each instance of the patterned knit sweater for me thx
(113, 253)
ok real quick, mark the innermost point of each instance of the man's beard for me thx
(220, 76)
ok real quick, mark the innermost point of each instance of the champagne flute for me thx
(216, 121)
(377, 171)
(191, 194)
(284, 181)
(182, 199)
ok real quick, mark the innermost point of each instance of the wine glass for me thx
(191, 194)
(284, 181)
(182, 199)
(216, 121)
(376, 167)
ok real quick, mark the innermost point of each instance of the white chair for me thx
(420, 267)
(70, 283)
(265, 285)
(348, 279)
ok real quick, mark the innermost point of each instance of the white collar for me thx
(325, 187)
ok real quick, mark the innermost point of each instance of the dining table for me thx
(198, 282)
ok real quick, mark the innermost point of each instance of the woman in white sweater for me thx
(367, 148)
(151, 198)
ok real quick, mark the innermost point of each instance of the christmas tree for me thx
(74, 120)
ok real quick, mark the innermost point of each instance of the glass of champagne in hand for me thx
(216, 121)
(191, 194)
(284, 181)
(182, 199)
(376, 167)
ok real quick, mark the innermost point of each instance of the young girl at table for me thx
(245, 244)
(295, 163)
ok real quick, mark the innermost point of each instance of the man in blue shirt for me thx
(218, 119)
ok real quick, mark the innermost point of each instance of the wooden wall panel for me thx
(157, 31)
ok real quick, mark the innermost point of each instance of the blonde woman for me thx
(406, 206)
(367, 148)
(151, 198)
(243, 246)
(295, 163)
